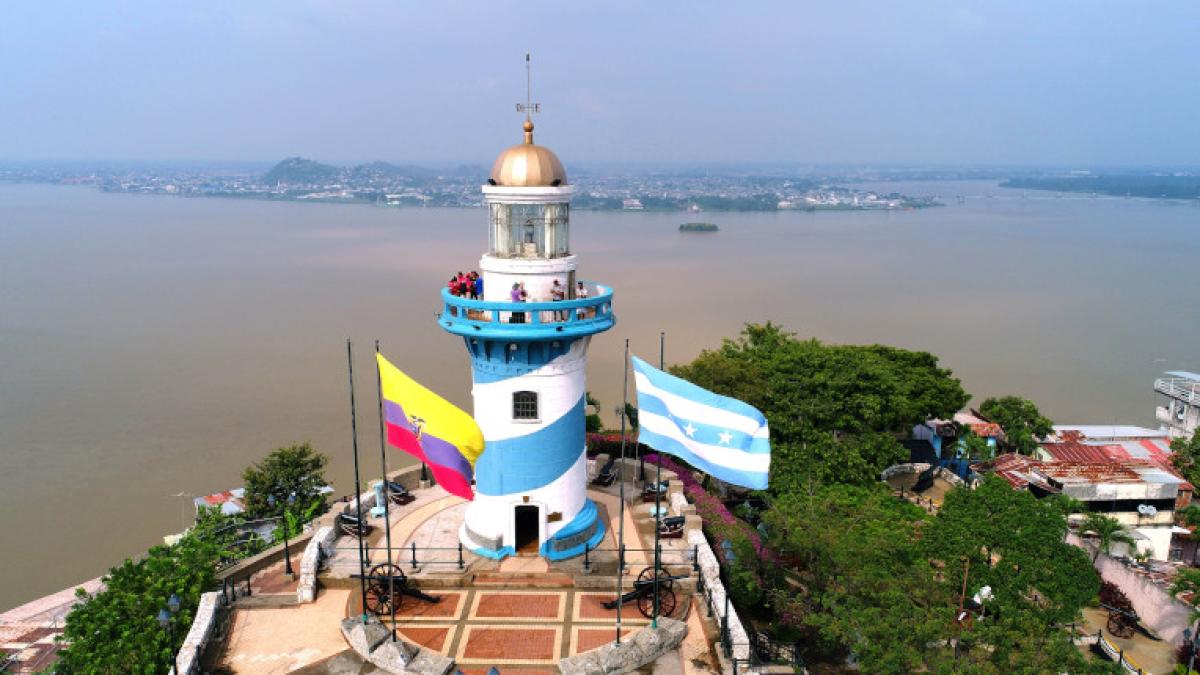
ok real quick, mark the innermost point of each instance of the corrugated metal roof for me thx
(1091, 472)
(1084, 452)
(1102, 432)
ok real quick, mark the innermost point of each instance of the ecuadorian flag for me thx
(431, 429)
(721, 436)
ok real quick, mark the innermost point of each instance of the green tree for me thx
(296, 469)
(1022, 422)
(116, 630)
(969, 445)
(1014, 543)
(857, 580)
(1107, 531)
(592, 421)
(631, 415)
(835, 410)
(1187, 582)
(1186, 457)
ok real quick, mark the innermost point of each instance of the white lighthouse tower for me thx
(529, 361)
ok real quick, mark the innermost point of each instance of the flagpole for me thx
(621, 492)
(387, 498)
(662, 351)
(362, 563)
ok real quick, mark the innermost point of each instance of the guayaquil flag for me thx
(431, 429)
(721, 436)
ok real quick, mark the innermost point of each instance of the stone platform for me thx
(522, 614)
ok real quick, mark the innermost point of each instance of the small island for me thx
(698, 227)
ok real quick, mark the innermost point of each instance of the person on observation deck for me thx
(558, 293)
(476, 286)
(581, 293)
(517, 294)
(453, 286)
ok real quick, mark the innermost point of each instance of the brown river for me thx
(152, 346)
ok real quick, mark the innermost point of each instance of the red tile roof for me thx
(987, 429)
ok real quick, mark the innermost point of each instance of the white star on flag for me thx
(721, 436)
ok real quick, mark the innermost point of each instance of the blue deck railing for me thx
(529, 320)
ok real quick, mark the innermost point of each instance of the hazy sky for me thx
(1078, 83)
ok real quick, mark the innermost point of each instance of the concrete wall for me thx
(1158, 610)
(322, 542)
(187, 661)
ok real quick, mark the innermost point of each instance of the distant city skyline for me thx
(930, 83)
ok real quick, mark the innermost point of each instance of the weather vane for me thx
(528, 107)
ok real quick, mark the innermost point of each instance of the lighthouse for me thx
(528, 364)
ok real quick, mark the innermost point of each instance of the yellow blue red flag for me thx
(431, 429)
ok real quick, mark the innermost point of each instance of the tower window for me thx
(525, 405)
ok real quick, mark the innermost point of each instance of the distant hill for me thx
(1120, 185)
(300, 171)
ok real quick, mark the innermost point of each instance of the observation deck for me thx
(520, 321)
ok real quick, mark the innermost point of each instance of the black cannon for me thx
(671, 527)
(1124, 621)
(387, 584)
(643, 593)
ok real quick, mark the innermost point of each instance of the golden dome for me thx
(528, 165)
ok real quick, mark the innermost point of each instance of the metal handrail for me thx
(1170, 386)
(491, 318)
(408, 554)
(1117, 654)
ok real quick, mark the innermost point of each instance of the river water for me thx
(151, 346)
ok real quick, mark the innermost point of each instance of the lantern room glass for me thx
(529, 230)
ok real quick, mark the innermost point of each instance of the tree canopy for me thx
(834, 410)
(1186, 457)
(296, 469)
(869, 576)
(858, 581)
(1021, 420)
(1107, 531)
(117, 630)
(1015, 544)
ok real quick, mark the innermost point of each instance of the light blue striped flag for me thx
(722, 436)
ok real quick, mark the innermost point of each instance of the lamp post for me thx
(1193, 641)
(287, 551)
(166, 619)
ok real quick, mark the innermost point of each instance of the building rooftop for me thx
(231, 501)
(1184, 374)
(1107, 432)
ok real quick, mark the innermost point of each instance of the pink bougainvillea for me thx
(718, 521)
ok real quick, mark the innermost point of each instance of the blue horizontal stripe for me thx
(754, 480)
(684, 389)
(706, 433)
(534, 460)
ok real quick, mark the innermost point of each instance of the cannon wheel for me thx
(666, 594)
(666, 603)
(1119, 625)
(378, 600)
